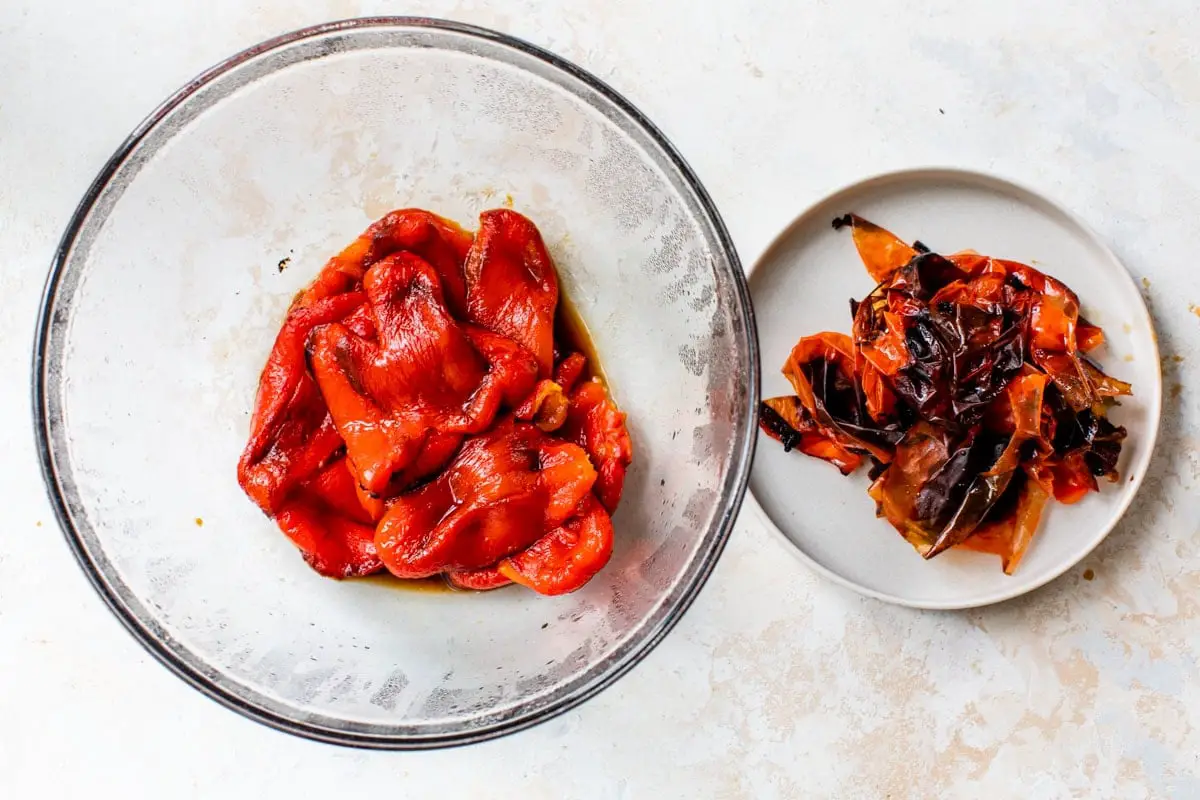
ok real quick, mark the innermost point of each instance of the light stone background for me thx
(776, 684)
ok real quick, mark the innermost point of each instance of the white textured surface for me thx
(777, 684)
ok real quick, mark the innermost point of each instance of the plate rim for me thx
(736, 482)
(1154, 405)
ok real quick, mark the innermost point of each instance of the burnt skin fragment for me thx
(967, 386)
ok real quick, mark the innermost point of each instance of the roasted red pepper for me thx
(568, 372)
(561, 561)
(426, 380)
(596, 424)
(568, 556)
(411, 414)
(501, 493)
(325, 519)
(478, 580)
(511, 285)
(437, 241)
(291, 433)
(546, 407)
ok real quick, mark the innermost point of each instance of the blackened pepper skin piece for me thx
(966, 384)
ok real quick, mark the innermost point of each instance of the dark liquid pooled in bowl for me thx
(572, 332)
(569, 330)
(434, 584)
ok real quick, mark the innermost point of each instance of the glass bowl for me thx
(174, 276)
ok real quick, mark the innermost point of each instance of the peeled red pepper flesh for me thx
(325, 519)
(421, 411)
(426, 375)
(596, 424)
(291, 434)
(438, 241)
(511, 284)
(502, 492)
(566, 557)
(965, 383)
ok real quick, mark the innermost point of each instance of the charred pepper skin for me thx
(966, 383)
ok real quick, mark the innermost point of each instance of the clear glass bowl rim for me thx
(625, 659)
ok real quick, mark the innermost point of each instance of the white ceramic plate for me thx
(803, 284)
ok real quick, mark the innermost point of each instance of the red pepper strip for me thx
(437, 528)
(434, 454)
(596, 424)
(440, 242)
(372, 504)
(567, 557)
(334, 545)
(569, 371)
(546, 407)
(426, 373)
(881, 250)
(291, 435)
(511, 376)
(512, 287)
(362, 322)
(478, 580)
(568, 476)
(336, 487)
(501, 492)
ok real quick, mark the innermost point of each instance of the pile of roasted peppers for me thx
(420, 412)
(967, 385)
